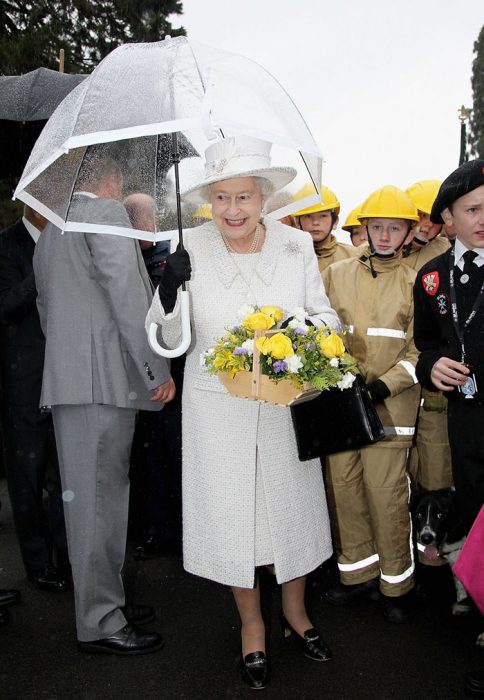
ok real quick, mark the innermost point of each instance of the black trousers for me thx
(32, 469)
(466, 438)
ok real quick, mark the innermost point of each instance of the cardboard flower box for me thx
(258, 387)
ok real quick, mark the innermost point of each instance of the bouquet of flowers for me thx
(300, 353)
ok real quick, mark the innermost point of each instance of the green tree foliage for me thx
(476, 136)
(33, 31)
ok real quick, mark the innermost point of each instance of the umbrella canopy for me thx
(138, 95)
(35, 95)
(26, 102)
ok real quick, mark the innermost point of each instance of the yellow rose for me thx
(261, 343)
(279, 346)
(274, 312)
(331, 345)
(258, 322)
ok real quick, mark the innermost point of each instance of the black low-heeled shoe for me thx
(255, 670)
(311, 644)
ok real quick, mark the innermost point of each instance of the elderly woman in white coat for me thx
(247, 499)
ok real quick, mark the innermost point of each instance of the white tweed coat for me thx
(221, 432)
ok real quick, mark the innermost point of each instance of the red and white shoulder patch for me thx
(431, 282)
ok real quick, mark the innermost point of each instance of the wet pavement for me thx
(372, 658)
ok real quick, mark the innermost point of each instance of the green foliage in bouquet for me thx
(299, 353)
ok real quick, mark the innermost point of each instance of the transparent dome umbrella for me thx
(142, 104)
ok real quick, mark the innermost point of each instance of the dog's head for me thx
(434, 518)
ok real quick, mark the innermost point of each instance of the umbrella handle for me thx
(186, 331)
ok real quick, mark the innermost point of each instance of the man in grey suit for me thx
(93, 295)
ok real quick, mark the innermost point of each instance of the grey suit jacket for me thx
(93, 296)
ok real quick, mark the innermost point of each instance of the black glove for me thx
(288, 320)
(177, 270)
(378, 391)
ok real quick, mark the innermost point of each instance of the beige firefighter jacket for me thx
(418, 257)
(331, 251)
(378, 312)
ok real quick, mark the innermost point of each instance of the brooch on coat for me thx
(292, 248)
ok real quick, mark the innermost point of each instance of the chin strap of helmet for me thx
(422, 242)
(364, 258)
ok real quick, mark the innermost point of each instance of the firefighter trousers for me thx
(368, 493)
(431, 460)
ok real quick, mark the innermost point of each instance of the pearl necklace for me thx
(253, 246)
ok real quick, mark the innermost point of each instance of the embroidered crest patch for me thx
(443, 304)
(431, 282)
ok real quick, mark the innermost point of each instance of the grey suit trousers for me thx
(93, 443)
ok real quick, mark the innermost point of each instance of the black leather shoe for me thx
(50, 579)
(255, 670)
(398, 609)
(4, 617)
(474, 683)
(9, 597)
(130, 641)
(311, 644)
(138, 614)
(349, 595)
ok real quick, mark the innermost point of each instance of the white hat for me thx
(239, 156)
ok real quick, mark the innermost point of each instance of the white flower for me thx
(293, 363)
(299, 314)
(244, 311)
(249, 346)
(204, 356)
(347, 381)
(334, 362)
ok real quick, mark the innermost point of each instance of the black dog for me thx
(435, 520)
(439, 532)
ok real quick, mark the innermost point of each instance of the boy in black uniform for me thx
(449, 329)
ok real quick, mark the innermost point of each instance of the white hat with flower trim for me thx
(239, 156)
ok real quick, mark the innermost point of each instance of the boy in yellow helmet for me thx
(430, 460)
(427, 242)
(320, 220)
(355, 228)
(368, 489)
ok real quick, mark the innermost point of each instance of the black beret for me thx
(469, 176)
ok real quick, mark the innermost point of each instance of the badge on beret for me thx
(431, 282)
(443, 303)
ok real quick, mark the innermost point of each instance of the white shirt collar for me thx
(34, 232)
(459, 251)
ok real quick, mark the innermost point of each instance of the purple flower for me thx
(240, 351)
(279, 366)
(300, 331)
(294, 346)
(311, 346)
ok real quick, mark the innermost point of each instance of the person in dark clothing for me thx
(449, 329)
(155, 504)
(28, 434)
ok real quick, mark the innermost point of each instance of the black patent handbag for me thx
(336, 420)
